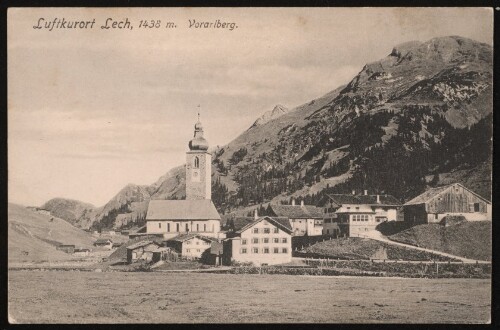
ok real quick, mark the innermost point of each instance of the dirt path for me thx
(376, 235)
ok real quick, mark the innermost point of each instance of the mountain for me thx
(33, 237)
(420, 117)
(75, 212)
(269, 115)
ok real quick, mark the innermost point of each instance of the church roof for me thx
(196, 209)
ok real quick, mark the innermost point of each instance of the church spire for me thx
(198, 142)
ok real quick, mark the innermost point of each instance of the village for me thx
(191, 233)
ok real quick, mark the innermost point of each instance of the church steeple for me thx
(198, 166)
(198, 142)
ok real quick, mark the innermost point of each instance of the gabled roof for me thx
(297, 211)
(185, 237)
(281, 223)
(433, 192)
(141, 244)
(385, 200)
(200, 209)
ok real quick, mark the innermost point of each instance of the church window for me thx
(196, 162)
(168, 227)
(204, 227)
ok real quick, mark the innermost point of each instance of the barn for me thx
(451, 200)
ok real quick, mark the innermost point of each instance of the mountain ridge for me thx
(404, 115)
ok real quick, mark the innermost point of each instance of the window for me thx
(187, 228)
(284, 250)
(283, 240)
(256, 230)
(198, 250)
(244, 241)
(243, 251)
(177, 227)
(196, 162)
(348, 207)
(255, 250)
(266, 250)
(476, 207)
(276, 250)
(276, 230)
(357, 207)
(265, 240)
(267, 230)
(197, 243)
(255, 240)
(435, 216)
(205, 227)
(188, 250)
(276, 240)
(168, 227)
(188, 242)
(197, 227)
(159, 224)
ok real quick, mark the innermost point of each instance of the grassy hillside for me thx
(33, 237)
(364, 249)
(468, 239)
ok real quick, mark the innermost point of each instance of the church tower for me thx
(198, 166)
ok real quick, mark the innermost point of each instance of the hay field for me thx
(115, 297)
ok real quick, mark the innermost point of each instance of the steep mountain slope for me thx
(420, 117)
(34, 237)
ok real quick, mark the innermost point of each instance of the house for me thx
(81, 252)
(197, 213)
(265, 240)
(149, 251)
(305, 220)
(104, 242)
(68, 248)
(450, 200)
(351, 215)
(191, 246)
(116, 245)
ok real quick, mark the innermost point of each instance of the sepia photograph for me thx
(249, 165)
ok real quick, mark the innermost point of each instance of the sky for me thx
(91, 110)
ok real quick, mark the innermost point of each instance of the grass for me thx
(468, 239)
(110, 297)
(32, 237)
(365, 249)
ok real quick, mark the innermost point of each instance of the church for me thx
(197, 213)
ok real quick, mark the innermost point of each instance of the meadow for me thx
(154, 297)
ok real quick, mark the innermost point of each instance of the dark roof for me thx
(141, 244)
(199, 209)
(185, 237)
(240, 222)
(103, 241)
(81, 249)
(282, 223)
(341, 199)
(433, 192)
(66, 245)
(297, 211)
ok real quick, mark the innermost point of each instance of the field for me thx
(116, 297)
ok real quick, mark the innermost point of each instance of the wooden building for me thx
(68, 248)
(451, 200)
(148, 251)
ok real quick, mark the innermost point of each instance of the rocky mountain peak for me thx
(277, 111)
